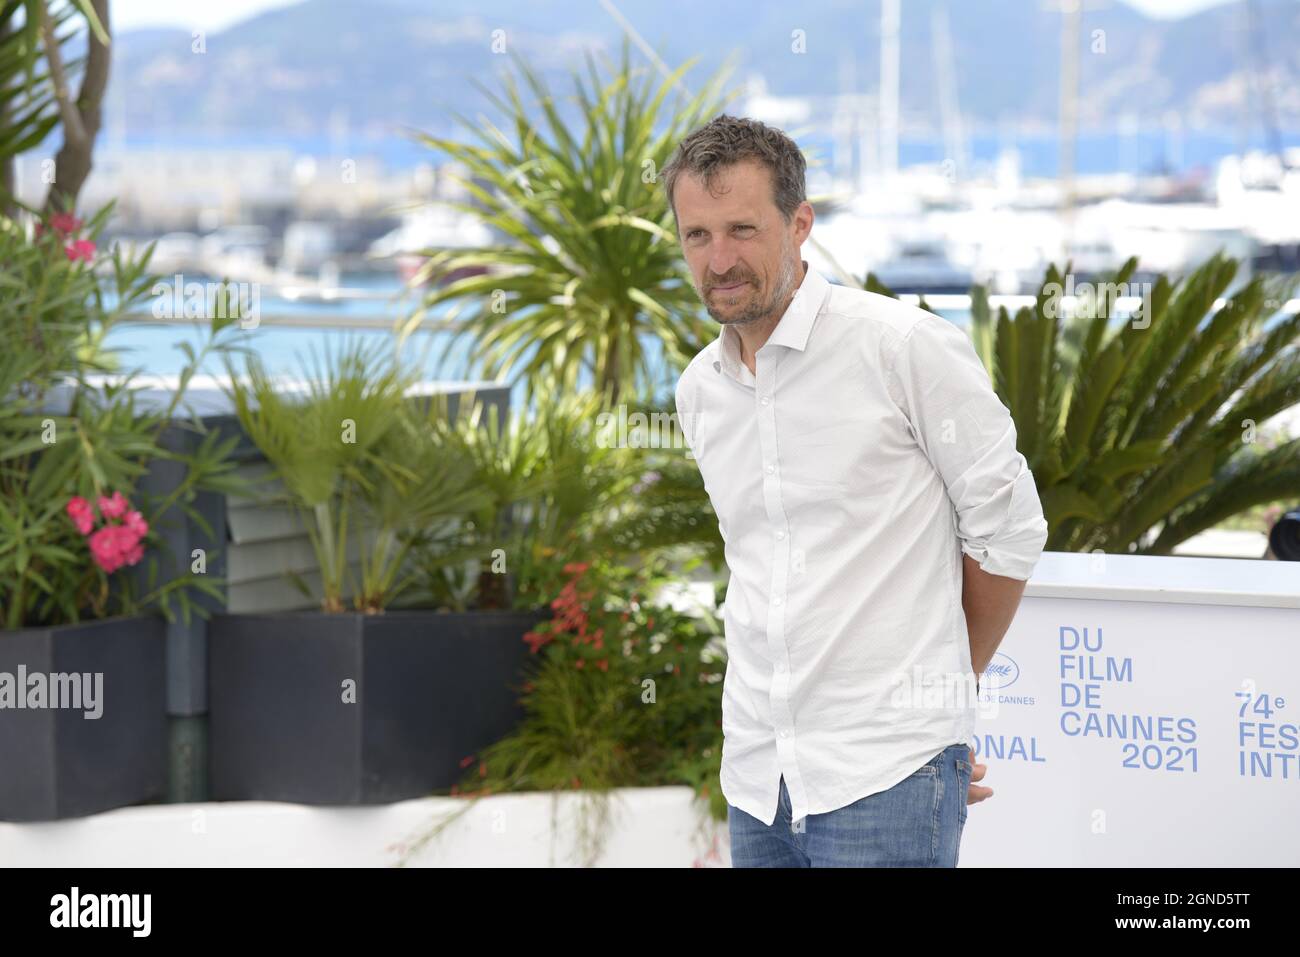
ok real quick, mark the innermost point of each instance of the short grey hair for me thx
(726, 140)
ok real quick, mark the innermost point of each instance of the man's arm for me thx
(990, 602)
(970, 438)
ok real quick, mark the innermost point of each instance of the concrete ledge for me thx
(647, 827)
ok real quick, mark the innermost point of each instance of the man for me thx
(879, 526)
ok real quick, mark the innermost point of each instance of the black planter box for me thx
(54, 761)
(430, 689)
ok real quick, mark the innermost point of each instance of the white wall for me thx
(648, 827)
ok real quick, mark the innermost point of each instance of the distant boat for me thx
(921, 267)
(430, 229)
(308, 246)
(238, 252)
(175, 252)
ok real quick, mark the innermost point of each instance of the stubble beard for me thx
(758, 311)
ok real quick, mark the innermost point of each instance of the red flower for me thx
(107, 549)
(64, 223)
(80, 249)
(82, 514)
(579, 663)
(576, 568)
(135, 521)
(114, 546)
(603, 664)
(467, 760)
(114, 507)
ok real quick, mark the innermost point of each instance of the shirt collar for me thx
(793, 329)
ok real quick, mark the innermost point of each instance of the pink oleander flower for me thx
(82, 249)
(134, 553)
(115, 543)
(114, 507)
(114, 546)
(81, 513)
(64, 223)
(135, 521)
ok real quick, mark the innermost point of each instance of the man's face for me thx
(743, 256)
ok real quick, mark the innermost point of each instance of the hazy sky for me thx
(204, 14)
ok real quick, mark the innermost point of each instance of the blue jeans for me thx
(916, 823)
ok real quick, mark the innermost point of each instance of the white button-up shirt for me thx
(849, 472)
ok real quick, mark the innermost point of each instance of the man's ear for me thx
(806, 208)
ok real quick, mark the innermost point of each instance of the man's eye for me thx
(694, 232)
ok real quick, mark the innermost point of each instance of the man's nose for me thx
(722, 258)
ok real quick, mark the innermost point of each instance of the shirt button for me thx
(780, 666)
(765, 400)
(771, 469)
(776, 600)
(785, 733)
(780, 535)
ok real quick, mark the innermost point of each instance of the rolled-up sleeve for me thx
(940, 385)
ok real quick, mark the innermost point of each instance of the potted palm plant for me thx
(364, 699)
(587, 280)
(86, 583)
(553, 489)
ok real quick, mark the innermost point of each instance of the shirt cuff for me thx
(1014, 549)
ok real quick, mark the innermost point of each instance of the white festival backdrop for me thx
(1147, 714)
